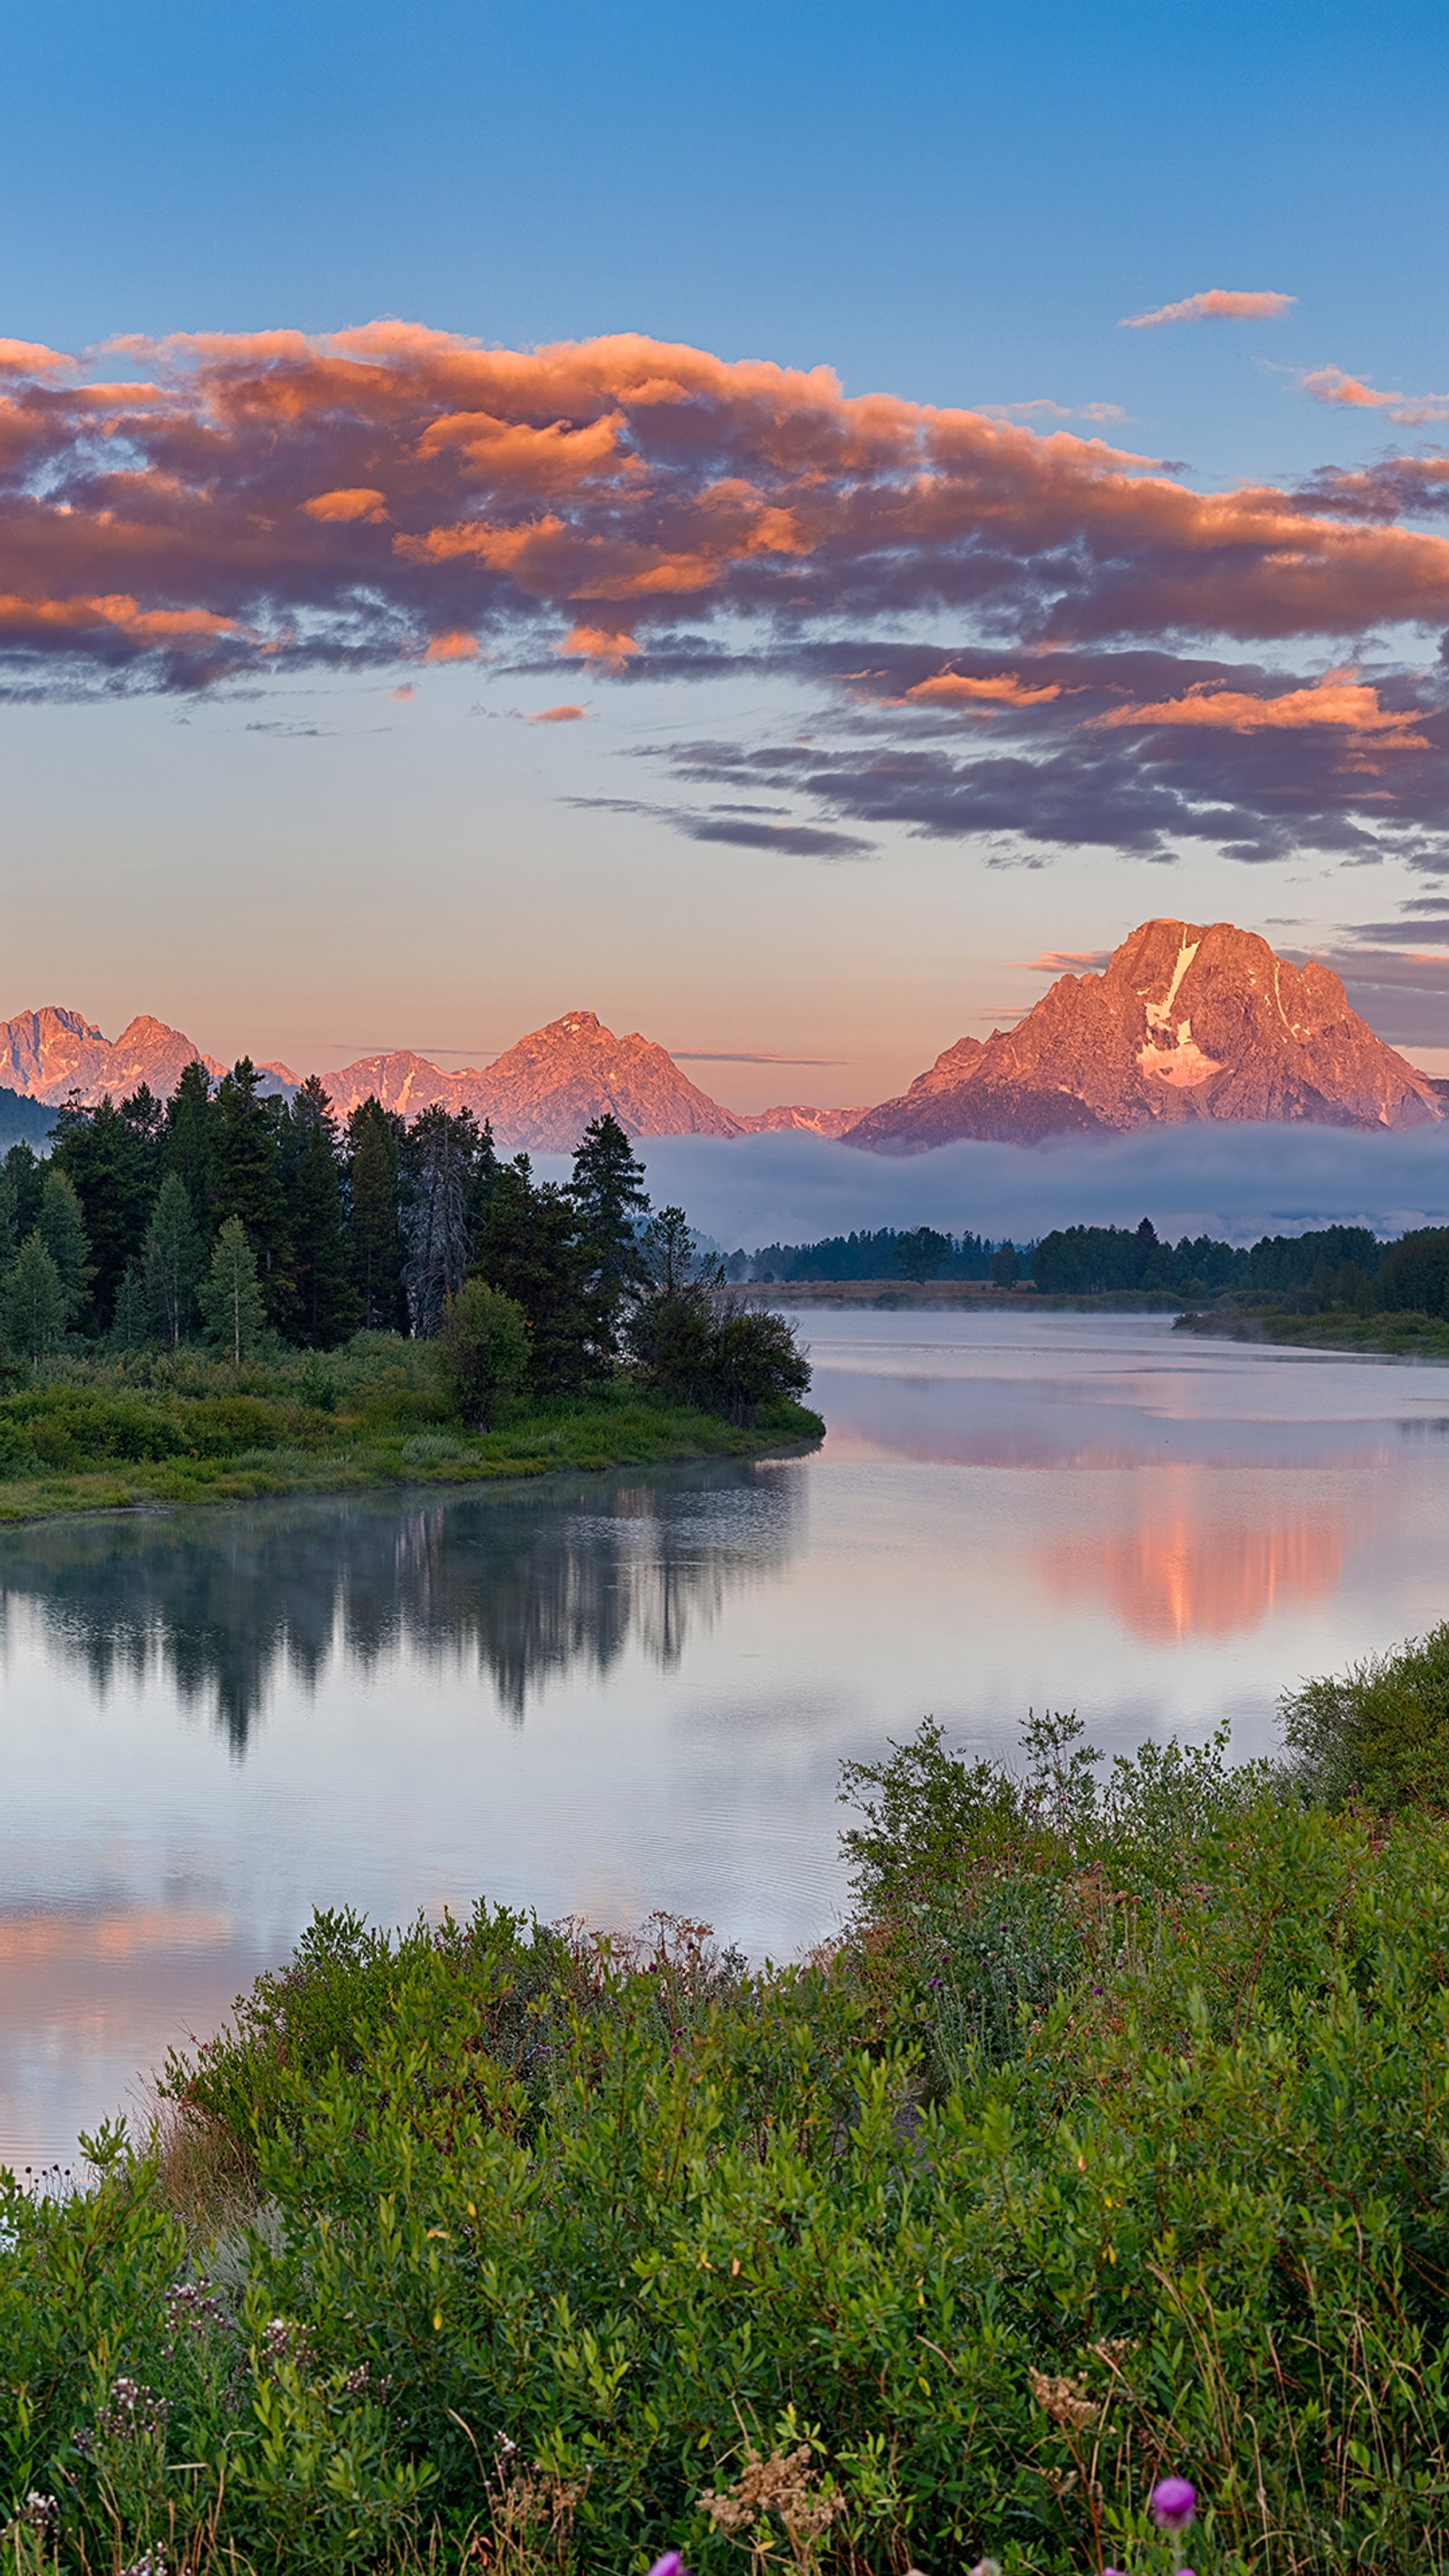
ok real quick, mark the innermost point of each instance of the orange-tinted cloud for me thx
(1217, 304)
(1409, 411)
(559, 715)
(455, 646)
(337, 508)
(1338, 699)
(977, 697)
(270, 498)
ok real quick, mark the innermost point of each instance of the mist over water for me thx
(631, 1691)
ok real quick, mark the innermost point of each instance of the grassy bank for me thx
(972, 1295)
(84, 1434)
(1398, 1336)
(1106, 2143)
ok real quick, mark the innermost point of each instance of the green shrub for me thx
(1379, 1732)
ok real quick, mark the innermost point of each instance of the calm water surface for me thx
(618, 1693)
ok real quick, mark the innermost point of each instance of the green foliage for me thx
(33, 1302)
(1378, 1733)
(324, 1302)
(374, 1154)
(924, 1254)
(447, 1160)
(529, 1246)
(699, 1344)
(110, 1159)
(483, 1351)
(61, 1228)
(230, 1297)
(171, 1259)
(607, 1189)
(244, 1166)
(1124, 2158)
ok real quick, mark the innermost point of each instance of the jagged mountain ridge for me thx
(1186, 1021)
(541, 1094)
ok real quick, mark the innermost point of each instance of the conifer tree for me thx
(7, 1218)
(131, 1322)
(61, 1228)
(186, 1143)
(374, 1143)
(26, 1175)
(32, 1303)
(608, 1192)
(441, 1159)
(323, 1301)
(530, 1248)
(230, 1297)
(246, 1175)
(170, 1263)
(107, 1157)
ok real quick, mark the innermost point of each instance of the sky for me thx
(777, 525)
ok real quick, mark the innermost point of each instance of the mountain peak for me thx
(1187, 1020)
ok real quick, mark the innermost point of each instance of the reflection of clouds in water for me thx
(1186, 1572)
(522, 1588)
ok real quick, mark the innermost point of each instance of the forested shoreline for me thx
(230, 1293)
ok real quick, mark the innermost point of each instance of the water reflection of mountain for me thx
(522, 1586)
(1186, 1572)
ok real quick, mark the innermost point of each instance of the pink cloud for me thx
(1217, 304)
(1408, 411)
(1338, 699)
(601, 491)
(559, 715)
(954, 689)
(338, 508)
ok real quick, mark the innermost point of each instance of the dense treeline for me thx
(918, 1253)
(233, 1216)
(1336, 1265)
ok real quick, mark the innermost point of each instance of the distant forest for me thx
(23, 1121)
(1338, 1265)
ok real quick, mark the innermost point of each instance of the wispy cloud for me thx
(1215, 304)
(1407, 411)
(559, 715)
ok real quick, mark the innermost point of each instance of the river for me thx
(604, 1695)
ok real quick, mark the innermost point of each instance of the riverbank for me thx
(501, 2243)
(971, 1295)
(95, 1435)
(1394, 1336)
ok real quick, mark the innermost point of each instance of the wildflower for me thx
(1173, 2502)
(671, 2564)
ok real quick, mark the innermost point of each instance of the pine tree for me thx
(530, 1249)
(186, 1144)
(608, 1191)
(107, 1157)
(441, 1159)
(26, 1175)
(324, 1302)
(246, 1176)
(7, 1218)
(170, 1263)
(61, 1228)
(32, 1303)
(230, 1297)
(131, 1323)
(374, 1144)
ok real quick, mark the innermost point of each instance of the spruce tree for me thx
(170, 1264)
(108, 1159)
(7, 1219)
(374, 1145)
(246, 1176)
(186, 1143)
(61, 1228)
(530, 1248)
(608, 1191)
(32, 1303)
(323, 1301)
(230, 1297)
(26, 1175)
(131, 1322)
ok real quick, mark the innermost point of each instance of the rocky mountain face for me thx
(541, 1095)
(1184, 1022)
(815, 1122)
(48, 1054)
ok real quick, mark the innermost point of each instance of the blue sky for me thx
(955, 207)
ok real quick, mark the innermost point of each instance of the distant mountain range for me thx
(1185, 1022)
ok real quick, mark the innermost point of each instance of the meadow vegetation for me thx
(1105, 2143)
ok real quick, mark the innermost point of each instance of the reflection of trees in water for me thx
(525, 1588)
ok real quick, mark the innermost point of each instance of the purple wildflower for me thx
(671, 2564)
(1173, 2502)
